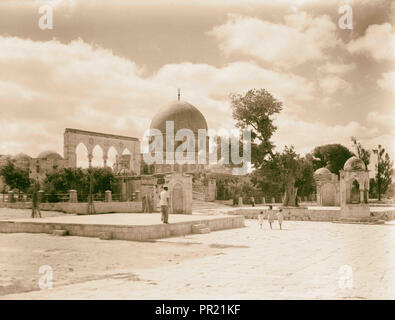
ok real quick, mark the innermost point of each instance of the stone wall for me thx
(122, 232)
(304, 214)
(300, 214)
(81, 207)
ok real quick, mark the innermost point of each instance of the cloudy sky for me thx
(109, 66)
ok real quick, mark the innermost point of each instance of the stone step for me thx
(60, 232)
(105, 236)
(203, 230)
(200, 228)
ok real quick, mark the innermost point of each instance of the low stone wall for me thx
(198, 196)
(122, 232)
(81, 207)
(384, 215)
(304, 214)
(300, 214)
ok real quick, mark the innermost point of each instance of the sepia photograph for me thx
(200, 150)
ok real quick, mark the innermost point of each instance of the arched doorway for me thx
(177, 198)
(355, 195)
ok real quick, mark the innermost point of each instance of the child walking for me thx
(260, 219)
(270, 216)
(280, 217)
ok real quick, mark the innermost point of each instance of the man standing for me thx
(164, 204)
(252, 199)
(35, 201)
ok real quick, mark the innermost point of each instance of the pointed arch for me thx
(81, 152)
(97, 153)
(112, 156)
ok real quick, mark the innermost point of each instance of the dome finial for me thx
(179, 93)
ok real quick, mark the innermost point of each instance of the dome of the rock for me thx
(184, 115)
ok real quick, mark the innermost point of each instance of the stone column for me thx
(263, 200)
(108, 196)
(40, 196)
(73, 196)
(105, 161)
(90, 157)
(11, 196)
(123, 191)
(240, 201)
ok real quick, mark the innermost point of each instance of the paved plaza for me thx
(306, 260)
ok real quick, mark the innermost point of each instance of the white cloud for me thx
(77, 85)
(337, 67)
(378, 42)
(387, 81)
(333, 84)
(299, 39)
(307, 135)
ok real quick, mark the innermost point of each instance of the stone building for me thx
(328, 187)
(354, 189)
(46, 162)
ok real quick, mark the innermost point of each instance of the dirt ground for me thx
(305, 260)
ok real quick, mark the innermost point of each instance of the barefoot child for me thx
(280, 217)
(270, 216)
(260, 219)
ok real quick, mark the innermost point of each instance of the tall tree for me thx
(288, 173)
(14, 177)
(362, 153)
(254, 111)
(384, 168)
(332, 156)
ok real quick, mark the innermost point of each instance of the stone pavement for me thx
(306, 260)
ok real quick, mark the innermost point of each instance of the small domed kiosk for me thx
(327, 187)
(354, 190)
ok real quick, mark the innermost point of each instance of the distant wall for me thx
(301, 214)
(81, 207)
(304, 214)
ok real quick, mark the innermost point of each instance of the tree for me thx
(14, 177)
(384, 171)
(362, 153)
(287, 173)
(332, 156)
(254, 111)
(62, 180)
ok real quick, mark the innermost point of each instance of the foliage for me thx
(331, 156)
(362, 153)
(287, 173)
(254, 111)
(384, 168)
(14, 177)
(62, 180)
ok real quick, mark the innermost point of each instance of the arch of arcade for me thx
(90, 139)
